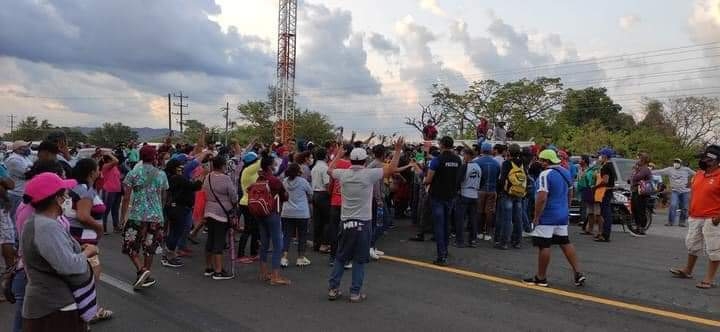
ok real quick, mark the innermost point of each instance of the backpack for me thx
(261, 202)
(516, 183)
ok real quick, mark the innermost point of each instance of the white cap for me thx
(358, 154)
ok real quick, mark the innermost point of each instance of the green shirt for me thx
(133, 155)
(147, 183)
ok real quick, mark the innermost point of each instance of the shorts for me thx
(7, 230)
(487, 202)
(140, 235)
(354, 244)
(544, 236)
(216, 236)
(592, 208)
(702, 234)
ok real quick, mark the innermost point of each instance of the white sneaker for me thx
(302, 261)
(348, 266)
(373, 254)
(481, 237)
(284, 262)
(488, 237)
(379, 253)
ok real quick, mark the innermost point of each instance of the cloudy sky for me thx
(366, 64)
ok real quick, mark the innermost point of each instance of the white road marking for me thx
(117, 283)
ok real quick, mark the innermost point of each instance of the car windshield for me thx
(625, 167)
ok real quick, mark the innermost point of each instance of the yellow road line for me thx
(559, 292)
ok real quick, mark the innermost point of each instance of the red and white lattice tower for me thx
(285, 85)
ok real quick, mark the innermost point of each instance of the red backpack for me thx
(261, 202)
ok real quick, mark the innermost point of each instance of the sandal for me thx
(678, 273)
(101, 315)
(705, 285)
(601, 239)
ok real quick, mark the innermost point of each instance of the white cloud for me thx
(433, 7)
(627, 22)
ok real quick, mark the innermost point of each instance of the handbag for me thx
(233, 218)
(646, 188)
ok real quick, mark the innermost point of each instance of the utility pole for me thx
(181, 105)
(12, 122)
(227, 120)
(170, 133)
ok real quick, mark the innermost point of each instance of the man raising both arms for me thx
(356, 215)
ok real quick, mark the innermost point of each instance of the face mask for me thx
(676, 165)
(703, 164)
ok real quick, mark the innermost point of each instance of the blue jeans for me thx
(187, 227)
(177, 229)
(112, 203)
(271, 228)
(379, 230)
(606, 213)
(680, 201)
(18, 287)
(358, 276)
(465, 214)
(510, 226)
(441, 211)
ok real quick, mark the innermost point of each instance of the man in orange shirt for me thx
(704, 222)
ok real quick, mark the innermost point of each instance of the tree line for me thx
(580, 120)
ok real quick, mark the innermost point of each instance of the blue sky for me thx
(366, 63)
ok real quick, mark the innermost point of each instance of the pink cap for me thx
(45, 185)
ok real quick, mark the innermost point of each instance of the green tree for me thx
(583, 106)
(28, 130)
(256, 121)
(313, 126)
(695, 119)
(655, 118)
(110, 134)
(193, 131)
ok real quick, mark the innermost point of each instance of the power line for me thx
(181, 105)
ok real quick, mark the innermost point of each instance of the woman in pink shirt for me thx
(112, 190)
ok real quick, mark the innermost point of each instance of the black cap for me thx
(712, 152)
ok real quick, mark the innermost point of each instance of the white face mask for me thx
(676, 165)
(67, 208)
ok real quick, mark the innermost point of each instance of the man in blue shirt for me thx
(552, 213)
(487, 197)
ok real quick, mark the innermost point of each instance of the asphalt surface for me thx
(407, 297)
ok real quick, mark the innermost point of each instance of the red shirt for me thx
(336, 198)
(705, 198)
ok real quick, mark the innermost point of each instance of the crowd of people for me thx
(338, 197)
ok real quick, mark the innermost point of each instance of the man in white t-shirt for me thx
(466, 207)
(356, 217)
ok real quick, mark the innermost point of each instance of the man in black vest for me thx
(442, 178)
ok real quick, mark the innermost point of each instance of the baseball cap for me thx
(712, 152)
(549, 155)
(607, 152)
(19, 144)
(182, 158)
(45, 185)
(677, 160)
(486, 147)
(250, 157)
(358, 154)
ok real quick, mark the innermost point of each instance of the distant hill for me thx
(144, 134)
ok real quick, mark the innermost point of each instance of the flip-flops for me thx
(705, 285)
(678, 273)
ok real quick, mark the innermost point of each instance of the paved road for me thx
(404, 296)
